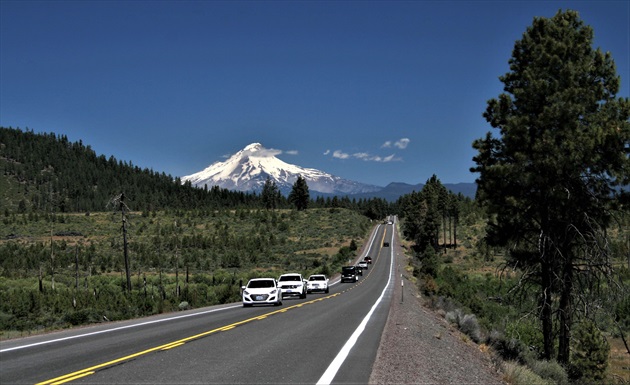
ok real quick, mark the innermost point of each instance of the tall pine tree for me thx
(299, 195)
(550, 180)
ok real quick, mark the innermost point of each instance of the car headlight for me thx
(245, 292)
(273, 291)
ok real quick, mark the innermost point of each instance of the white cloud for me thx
(367, 157)
(364, 156)
(292, 152)
(402, 143)
(361, 155)
(340, 155)
(391, 158)
(265, 152)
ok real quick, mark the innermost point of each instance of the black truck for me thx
(349, 274)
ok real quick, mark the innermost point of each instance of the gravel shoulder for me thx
(419, 346)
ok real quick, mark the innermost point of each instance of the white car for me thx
(262, 291)
(292, 285)
(317, 282)
(363, 264)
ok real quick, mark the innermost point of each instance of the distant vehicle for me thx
(292, 285)
(262, 291)
(368, 259)
(390, 222)
(363, 264)
(385, 244)
(349, 274)
(317, 282)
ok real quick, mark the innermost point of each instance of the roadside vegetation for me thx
(69, 269)
(542, 279)
(479, 290)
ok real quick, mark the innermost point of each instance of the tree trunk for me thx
(546, 310)
(455, 232)
(444, 224)
(52, 261)
(565, 313)
(76, 268)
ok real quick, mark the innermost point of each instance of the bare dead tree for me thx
(52, 253)
(118, 203)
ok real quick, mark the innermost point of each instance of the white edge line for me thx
(334, 366)
(115, 329)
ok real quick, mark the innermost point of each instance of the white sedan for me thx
(261, 291)
(317, 282)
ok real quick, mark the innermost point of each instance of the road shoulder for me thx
(419, 346)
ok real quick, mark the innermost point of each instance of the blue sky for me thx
(371, 91)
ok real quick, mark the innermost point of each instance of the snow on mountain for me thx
(248, 169)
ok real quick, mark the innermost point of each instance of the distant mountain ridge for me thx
(248, 169)
(395, 190)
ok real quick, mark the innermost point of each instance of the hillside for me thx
(48, 173)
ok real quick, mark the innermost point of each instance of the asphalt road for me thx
(325, 338)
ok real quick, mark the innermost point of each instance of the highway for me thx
(325, 338)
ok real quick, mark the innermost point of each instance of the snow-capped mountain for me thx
(248, 169)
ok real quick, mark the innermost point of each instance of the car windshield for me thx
(348, 269)
(316, 278)
(290, 278)
(260, 284)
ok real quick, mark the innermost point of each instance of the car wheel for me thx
(326, 291)
(247, 304)
(303, 295)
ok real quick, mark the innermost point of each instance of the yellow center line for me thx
(172, 346)
(91, 370)
(74, 378)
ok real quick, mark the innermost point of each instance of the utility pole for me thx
(52, 253)
(124, 230)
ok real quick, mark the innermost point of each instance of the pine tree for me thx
(550, 181)
(299, 195)
(270, 195)
(589, 355)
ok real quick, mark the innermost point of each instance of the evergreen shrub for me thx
(589, 354)
(551, 370)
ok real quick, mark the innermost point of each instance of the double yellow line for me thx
(93, 369)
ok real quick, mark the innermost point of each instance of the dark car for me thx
(368, 260)
(349, 274)
(385, 244)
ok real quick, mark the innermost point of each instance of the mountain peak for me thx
(249, 168)
(253, 147)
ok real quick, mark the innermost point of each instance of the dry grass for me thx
(618, 362)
